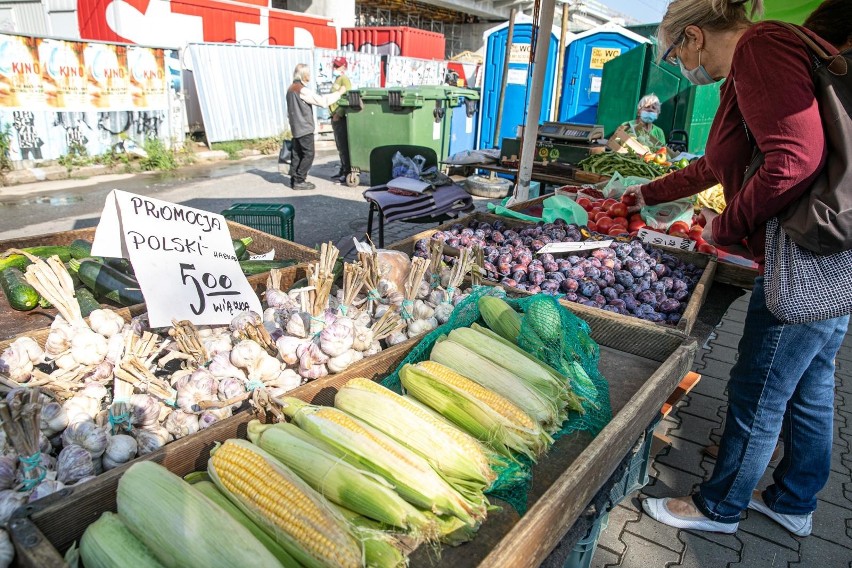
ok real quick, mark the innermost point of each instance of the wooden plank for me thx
(683, 388)
(660, 443)
(735, 275)
(540, 530)
(32, 549)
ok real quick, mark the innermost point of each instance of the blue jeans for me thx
(782, 382)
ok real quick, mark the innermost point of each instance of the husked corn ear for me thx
(411, 475)
(182, 527)
(450, 451)
(295, 515)
(479, 411)
(324, 469)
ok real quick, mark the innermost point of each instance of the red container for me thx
(409, 42)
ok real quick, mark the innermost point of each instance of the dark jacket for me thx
(300, 113)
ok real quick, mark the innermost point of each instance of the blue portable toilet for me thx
(584, 60)
(517, 98)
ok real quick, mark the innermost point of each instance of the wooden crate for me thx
(564, 481)
(611, 320)
(13, 322)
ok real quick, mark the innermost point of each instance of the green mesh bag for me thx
(553, 335)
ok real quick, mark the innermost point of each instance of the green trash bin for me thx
(418, 116)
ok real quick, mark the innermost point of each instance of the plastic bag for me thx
(616, 186)
(662, 216)
(403, 166)
(555, 207)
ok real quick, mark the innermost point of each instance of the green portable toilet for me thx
(684, 106)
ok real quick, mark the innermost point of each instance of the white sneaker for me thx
(799, 525)
(659, 511)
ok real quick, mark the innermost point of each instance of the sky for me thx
(646, 11)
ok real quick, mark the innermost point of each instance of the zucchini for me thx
(252, 267)
(80, 249)
(20, 261)
(121, 264)
(87, 300)
(107, 282)
(240, 247)
(21, 295)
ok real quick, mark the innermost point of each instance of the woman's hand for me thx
(710, 216)
(638, 201)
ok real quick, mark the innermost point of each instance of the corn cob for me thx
(482, 370)
(412, 476)
(453, 453)
(480, 412)
(324, 469)
(107, 543)
(500, 317)
(182, 527)
(209, 489)
(275, 498)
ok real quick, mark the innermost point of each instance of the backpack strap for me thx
(836, 64)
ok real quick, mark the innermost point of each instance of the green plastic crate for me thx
(275, 219)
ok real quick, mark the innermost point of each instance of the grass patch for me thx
(159, 156)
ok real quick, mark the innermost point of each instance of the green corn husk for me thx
(500, 317)
(108, 543)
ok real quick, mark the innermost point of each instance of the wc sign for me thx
(601, 55)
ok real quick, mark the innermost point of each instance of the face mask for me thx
(697, 76)
(336, 73)
(647, 117)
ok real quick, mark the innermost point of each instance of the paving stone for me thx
(760, 526)
(696, 404)
(834, 493)
(760, 553)
(731, 541)
(618, 518)
(837, 463)
(830, 523)
(712, 387)
(716, 369)
(726, 339)
(642, 553)
(734, 317)
(700, 550)
(731, 326)
(694, 429)
(670, 482)
(722, 353)
(685, 456)
(659, 533)
(818, 553)
(604, 558)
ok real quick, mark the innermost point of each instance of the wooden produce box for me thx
(613, 320)
(13, 322)
(564, 481)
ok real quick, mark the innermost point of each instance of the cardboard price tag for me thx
(557, 248)
(183, 259)
(662, 239)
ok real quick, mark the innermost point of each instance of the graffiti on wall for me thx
(62, 96)
(363, 69)
(179, 22)
(412, 72)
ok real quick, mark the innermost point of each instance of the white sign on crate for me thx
(183, 259)
(559, 248)
(662, 239)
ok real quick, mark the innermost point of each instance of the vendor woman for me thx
(643, 129)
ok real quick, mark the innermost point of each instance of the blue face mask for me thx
(647, 117)
(697, 76)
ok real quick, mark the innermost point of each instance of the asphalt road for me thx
(330, 212)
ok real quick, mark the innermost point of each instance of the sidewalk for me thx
(632, 539)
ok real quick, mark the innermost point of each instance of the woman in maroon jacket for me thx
(783, 380)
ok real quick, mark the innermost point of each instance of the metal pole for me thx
(505, 79)
(560, 65)
(545, 25)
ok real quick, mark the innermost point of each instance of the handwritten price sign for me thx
(662, 239)
(183, 259)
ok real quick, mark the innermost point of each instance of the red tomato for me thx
(679, 234)
(610, 202)
(709, 249)
(618, 210)
(594, 209)
(695, 232)
(620, 221)
(604, 224)
(592, 226)
(634, 233)
(636, 225)
(702, 220)
(636, 217)
(617, 231)
(629, 199)
(679, 227)
(585, 203)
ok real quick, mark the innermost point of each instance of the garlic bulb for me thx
(74, 463)
(230, 388)
(59, 338)
(337, 337)
(45, 488)
(459, 298)
(381, 309)
(312, 361)
(115, 347)
(101, 372)
(106, 322)
(245, 354)
(299, 324)
(149, 441)
(221, 367)
(8, 471)
(436, 297)
(245, 319)
(66, 361)
(144, 410)
(202, 386)
(218, 344)
(53, 419)
(266, 369)
(287, 380)
(443, 312)
(210, 417)
(342, 362)
(120, 449)
(9, 501)
(20, 358)
(397, 337)
(363, 338)
(423, 290)
(88, 436)
(361, 317)
(81, 409)
(422, 310)
(180, 424)
(374, 349)
(278, 299)
(88, 347)
(180, 378)
(287, 346)
(95, 391)
(7, 550)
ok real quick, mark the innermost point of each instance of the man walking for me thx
(300, 100)
(339, 67)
